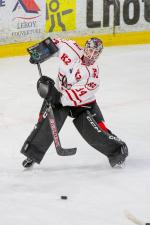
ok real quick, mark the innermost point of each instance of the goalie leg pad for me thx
(40, 139)
(104, 142)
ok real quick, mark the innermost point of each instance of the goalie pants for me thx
(86, 120)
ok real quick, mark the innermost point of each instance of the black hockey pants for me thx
(86, 119)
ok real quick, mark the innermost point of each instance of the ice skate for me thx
(28, 163)
(118, 160)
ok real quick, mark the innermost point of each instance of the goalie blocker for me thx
(42, 51)
(107, 143)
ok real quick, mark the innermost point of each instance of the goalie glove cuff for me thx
(47, 90)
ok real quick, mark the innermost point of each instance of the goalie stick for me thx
(51, 118)
(135, 220)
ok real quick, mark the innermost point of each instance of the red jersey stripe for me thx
(75, 94)
(74, 102)
(72, 48)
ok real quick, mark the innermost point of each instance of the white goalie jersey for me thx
(76, 81)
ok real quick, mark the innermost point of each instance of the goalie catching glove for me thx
(47, 90)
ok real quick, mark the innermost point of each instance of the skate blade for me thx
(25, 169)
(120, 166)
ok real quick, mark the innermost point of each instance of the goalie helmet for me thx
(92, 50)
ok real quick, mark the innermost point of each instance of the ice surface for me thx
(97, 194)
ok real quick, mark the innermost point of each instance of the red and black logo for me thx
(29, 6)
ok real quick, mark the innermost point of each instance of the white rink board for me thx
(25, 20)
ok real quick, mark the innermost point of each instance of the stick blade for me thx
(66, 151)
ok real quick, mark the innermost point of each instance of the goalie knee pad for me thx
(38, 141)
(102, 141)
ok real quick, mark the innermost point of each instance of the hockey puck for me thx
(64, 197)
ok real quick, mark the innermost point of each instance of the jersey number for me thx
(95, 75)
(78, 75)
(65, 58)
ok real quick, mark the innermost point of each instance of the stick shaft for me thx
(52, 122)
(39, 69)
(53, 126)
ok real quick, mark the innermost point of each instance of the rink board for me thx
(131, 38)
